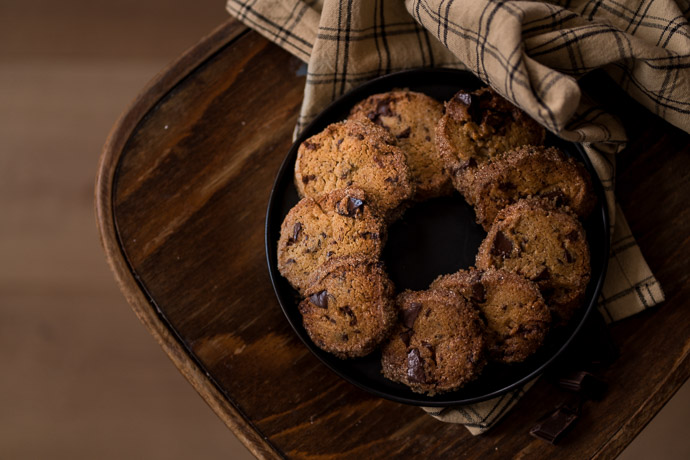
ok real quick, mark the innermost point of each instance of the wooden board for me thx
(181, 199)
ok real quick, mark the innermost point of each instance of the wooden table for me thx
(181, 197)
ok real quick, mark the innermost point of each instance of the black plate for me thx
(433, 238)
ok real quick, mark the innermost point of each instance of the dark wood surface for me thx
(181, 198)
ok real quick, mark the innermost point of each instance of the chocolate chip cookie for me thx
(438, 345)
(477, 127)
(354, 153)
(517, 319)
(337, 224)
(526, 171)
(544, 244)
(349, 307)
(412, 118)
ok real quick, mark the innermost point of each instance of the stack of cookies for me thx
(401, 147)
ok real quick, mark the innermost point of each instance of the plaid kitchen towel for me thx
(532, 53)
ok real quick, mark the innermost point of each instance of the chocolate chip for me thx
(309, 145)
(543, 275)
(410, 314)
(306, 179)
(349, 207)
(405, 337)
(584, 383)
(290, 261)
(427, 138)
(502, 246)
(556, 425)
(320, 299)
(329, 253)
(340, 141)
(568, 257)
(464, 98)
(405, 134)
(556, 196)
(346, 310)
(296, 230)
(431, 349)
(573, 236)
(415, 367)
(360, 137)
(345, 337)
(478, 293)
(383, 108)
(391, 180)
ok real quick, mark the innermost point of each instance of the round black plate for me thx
(433, 238)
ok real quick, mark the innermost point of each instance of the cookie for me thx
(438, 345)
(526, 171)
(545, 244)
(477, 127)
(349, 307)
(337, 224)
(412, 118)
(354, 153)
(517, 319)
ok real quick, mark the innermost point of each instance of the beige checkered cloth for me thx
(530, 52)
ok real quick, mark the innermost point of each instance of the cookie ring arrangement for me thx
(359, 175)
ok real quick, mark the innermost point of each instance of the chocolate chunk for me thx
(568, 257)
(405, 336)
(502, 246)
(306, 179)
(296, 230)
(478, 293)
(405, 134)
(346, 310)
(556, 196)
(311, 145)
(431, 349)
(573, 236)
(383, 108)
(584, 383)
(464, 98)
(320, 299)
(543, 275)
(349, 207)
(410, 314)
(415, 367)
(556, 425)
(471, 163)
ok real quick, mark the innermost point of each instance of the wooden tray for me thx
(181, 196)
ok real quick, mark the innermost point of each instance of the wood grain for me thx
(181, 199)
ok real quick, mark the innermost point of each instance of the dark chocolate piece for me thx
(296, 230)
(405, 134)
(349, 207)
(584, 383)
(410, 315)
(553, 428)
(346, 310)
(405, 337)
(502, 245)
(320, 299)
(415, 367)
